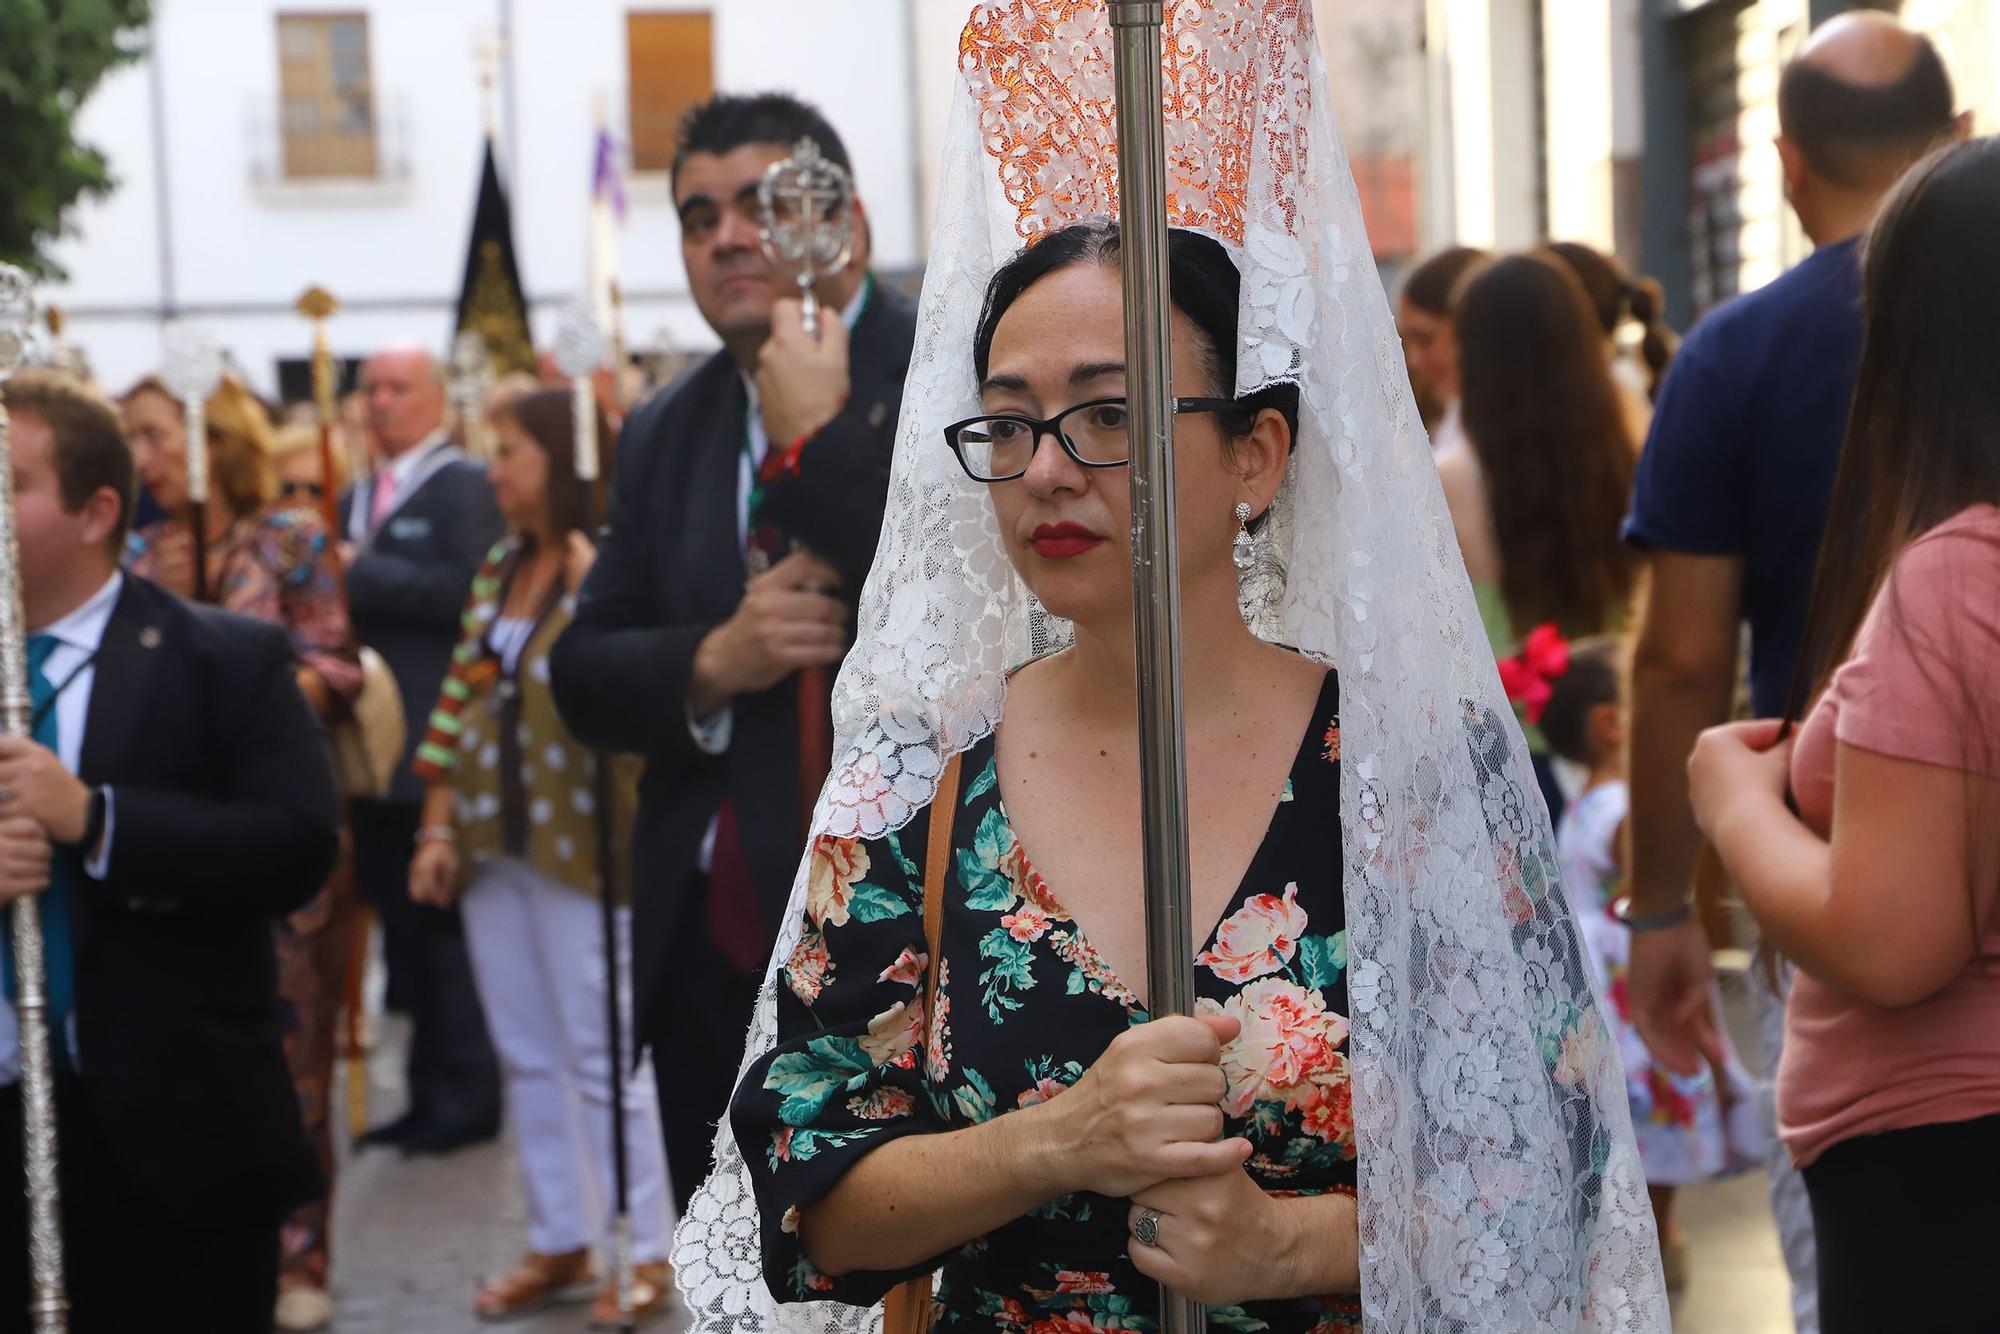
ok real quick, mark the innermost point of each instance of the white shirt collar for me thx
(405, 464)
(84, 627)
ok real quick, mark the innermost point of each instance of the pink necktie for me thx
(381, 499)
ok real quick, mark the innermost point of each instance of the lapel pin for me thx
(149, 637)
(877, 415)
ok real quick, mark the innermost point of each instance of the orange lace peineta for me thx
(1231, 70)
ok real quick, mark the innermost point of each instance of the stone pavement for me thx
(413, 1237)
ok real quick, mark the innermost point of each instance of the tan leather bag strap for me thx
(907, 1308)
(937, 868)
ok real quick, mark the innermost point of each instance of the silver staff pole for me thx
(48, 1305)
(1156, 599)
(191, 365)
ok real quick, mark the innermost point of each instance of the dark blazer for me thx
(407, 585)
(669, 570)
(225, 816)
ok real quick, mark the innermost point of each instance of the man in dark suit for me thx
(177, 796)
(772, 456)
(419, 527)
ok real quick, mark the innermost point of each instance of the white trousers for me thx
(538, 954)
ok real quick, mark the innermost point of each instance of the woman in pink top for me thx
(1882, 886)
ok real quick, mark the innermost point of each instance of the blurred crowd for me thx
(1811, 471)
(1634, 510)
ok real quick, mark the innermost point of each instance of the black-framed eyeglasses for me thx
(999, 447)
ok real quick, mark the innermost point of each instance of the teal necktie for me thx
(61, 962)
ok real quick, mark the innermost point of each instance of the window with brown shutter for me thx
(326, 96)
(672, 67)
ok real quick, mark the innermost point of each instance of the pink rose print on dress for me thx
(1329, 1110)
(893, 1035)
(810, 968)
(1085, 1281)
(1027, 924)
(884, 1104)
(1288, 1037)
(908, 968)
(1260, 938)
(837, 864)
(1043, 1090)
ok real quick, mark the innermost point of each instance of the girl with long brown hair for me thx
(1538, 503)
(1620, 300)
(1867, 842)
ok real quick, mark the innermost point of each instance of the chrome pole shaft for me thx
(1156, 603)
(48, 1305)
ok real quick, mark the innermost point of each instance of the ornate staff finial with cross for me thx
(488, 49)
(806, 205)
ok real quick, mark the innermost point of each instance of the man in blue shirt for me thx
(1730, 503)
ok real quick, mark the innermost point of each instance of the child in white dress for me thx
(1689, 1128)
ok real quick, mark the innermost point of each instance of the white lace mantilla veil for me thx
(1500, 1187)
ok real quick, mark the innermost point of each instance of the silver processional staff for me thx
(48, 1303)
(806, 203)
(1156, 600)
(191, 366)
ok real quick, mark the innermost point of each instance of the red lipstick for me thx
(1061, 541)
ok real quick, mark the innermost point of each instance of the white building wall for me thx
(1576, 41)
(240, 249)
(1481, 140)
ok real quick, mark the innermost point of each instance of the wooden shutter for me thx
(672, 67)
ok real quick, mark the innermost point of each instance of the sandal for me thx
(652, 1288)
(538, 1281)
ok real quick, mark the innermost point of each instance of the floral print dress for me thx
(1690, 1128)
(1025, 1005)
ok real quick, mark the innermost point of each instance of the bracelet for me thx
(437, 833)
(1673, 917)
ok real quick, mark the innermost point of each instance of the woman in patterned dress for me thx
(1004, 1138)
(269, 557)
(1391, 999)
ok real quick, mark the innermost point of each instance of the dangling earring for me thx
(1245, 554)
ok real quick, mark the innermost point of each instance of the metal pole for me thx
(48, 1304)
(587, 352)
(1156, 602)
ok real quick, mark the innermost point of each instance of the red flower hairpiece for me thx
(1529, 676)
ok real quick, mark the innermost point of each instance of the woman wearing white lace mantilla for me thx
(1397, 1103)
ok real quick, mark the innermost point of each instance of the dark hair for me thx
(1921, 441)
(1616, 296)
(1205, 287)
(90, 451)
(1591, 681)
(1543, 417)
(1857, 134)
(548, 417)
(728, 121)
(1923, 436)
(1432, 284)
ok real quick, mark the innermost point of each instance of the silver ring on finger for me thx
(1146, 1227)
(6, 796)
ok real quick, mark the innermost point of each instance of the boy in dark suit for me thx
(771, 461)
(177, 795)
(420, 526)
